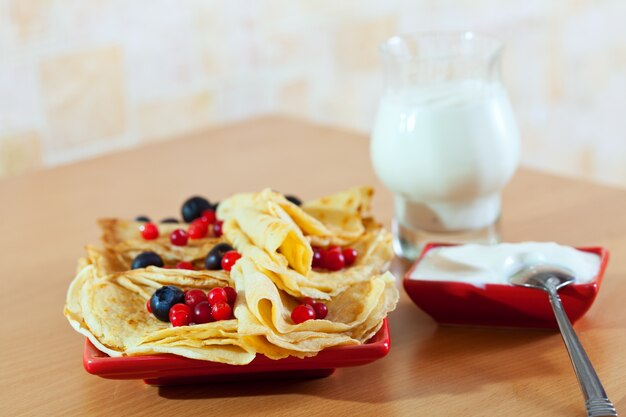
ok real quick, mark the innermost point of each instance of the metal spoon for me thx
(550, 279)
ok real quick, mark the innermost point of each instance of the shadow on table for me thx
(339, 386)
(250, 388)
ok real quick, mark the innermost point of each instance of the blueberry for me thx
(295, 200)
(214, 206)
(145, 259)
(213, 260)
(169, 220)
(142, 219)
(193, 208)
(163, 299)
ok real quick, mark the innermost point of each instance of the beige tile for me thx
(83, 96)
(19, 101)
(356, 46)
(29, 18)
(553, 57)
(166, 118)
(159, 49)
(19, 153)
(280, 11)
(218, 38)
(586, 162)
(294, 97)
(286, 48)
(343, 108)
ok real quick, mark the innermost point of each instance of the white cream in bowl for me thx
(494, 264)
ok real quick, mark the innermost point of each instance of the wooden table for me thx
(48, 216)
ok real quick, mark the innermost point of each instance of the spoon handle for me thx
(598, 404)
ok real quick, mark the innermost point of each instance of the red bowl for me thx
(171, 369)
(460, 303)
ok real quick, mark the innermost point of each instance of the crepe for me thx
(123, 239)
(356, 314)
(375, 252)
(342, 213)
(276, 239)
(110, 311)
(341, 217)
(266, 219)
(338, 219)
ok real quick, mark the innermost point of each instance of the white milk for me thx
(446, 152)
(495, 264)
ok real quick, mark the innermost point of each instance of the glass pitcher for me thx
(445, 140)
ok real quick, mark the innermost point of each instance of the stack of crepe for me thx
(106, 301)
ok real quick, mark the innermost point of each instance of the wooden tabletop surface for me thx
(48, 216)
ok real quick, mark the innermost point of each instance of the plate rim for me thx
(99, 363)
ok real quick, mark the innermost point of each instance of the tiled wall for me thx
(79, 78)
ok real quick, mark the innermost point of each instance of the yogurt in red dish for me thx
(494, 264)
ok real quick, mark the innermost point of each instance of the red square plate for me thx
(460, 303)
(172, 369)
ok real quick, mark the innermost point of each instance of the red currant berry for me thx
(221, 311)
(179, 307)
(202, 313)
(198, 221)
(185, 265)
(320, 310)
(349, 255)
(149, 231)
(231, 295)
(179, 237)
(217, 295)
(194, 297)
(229, 259)
(197, 229)
(336, 248)
(148, 306)
(308, 301)
(318, 258)
(208, 216)
(180, 315)
(216, 228)
(333, 260)
(302, 313)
